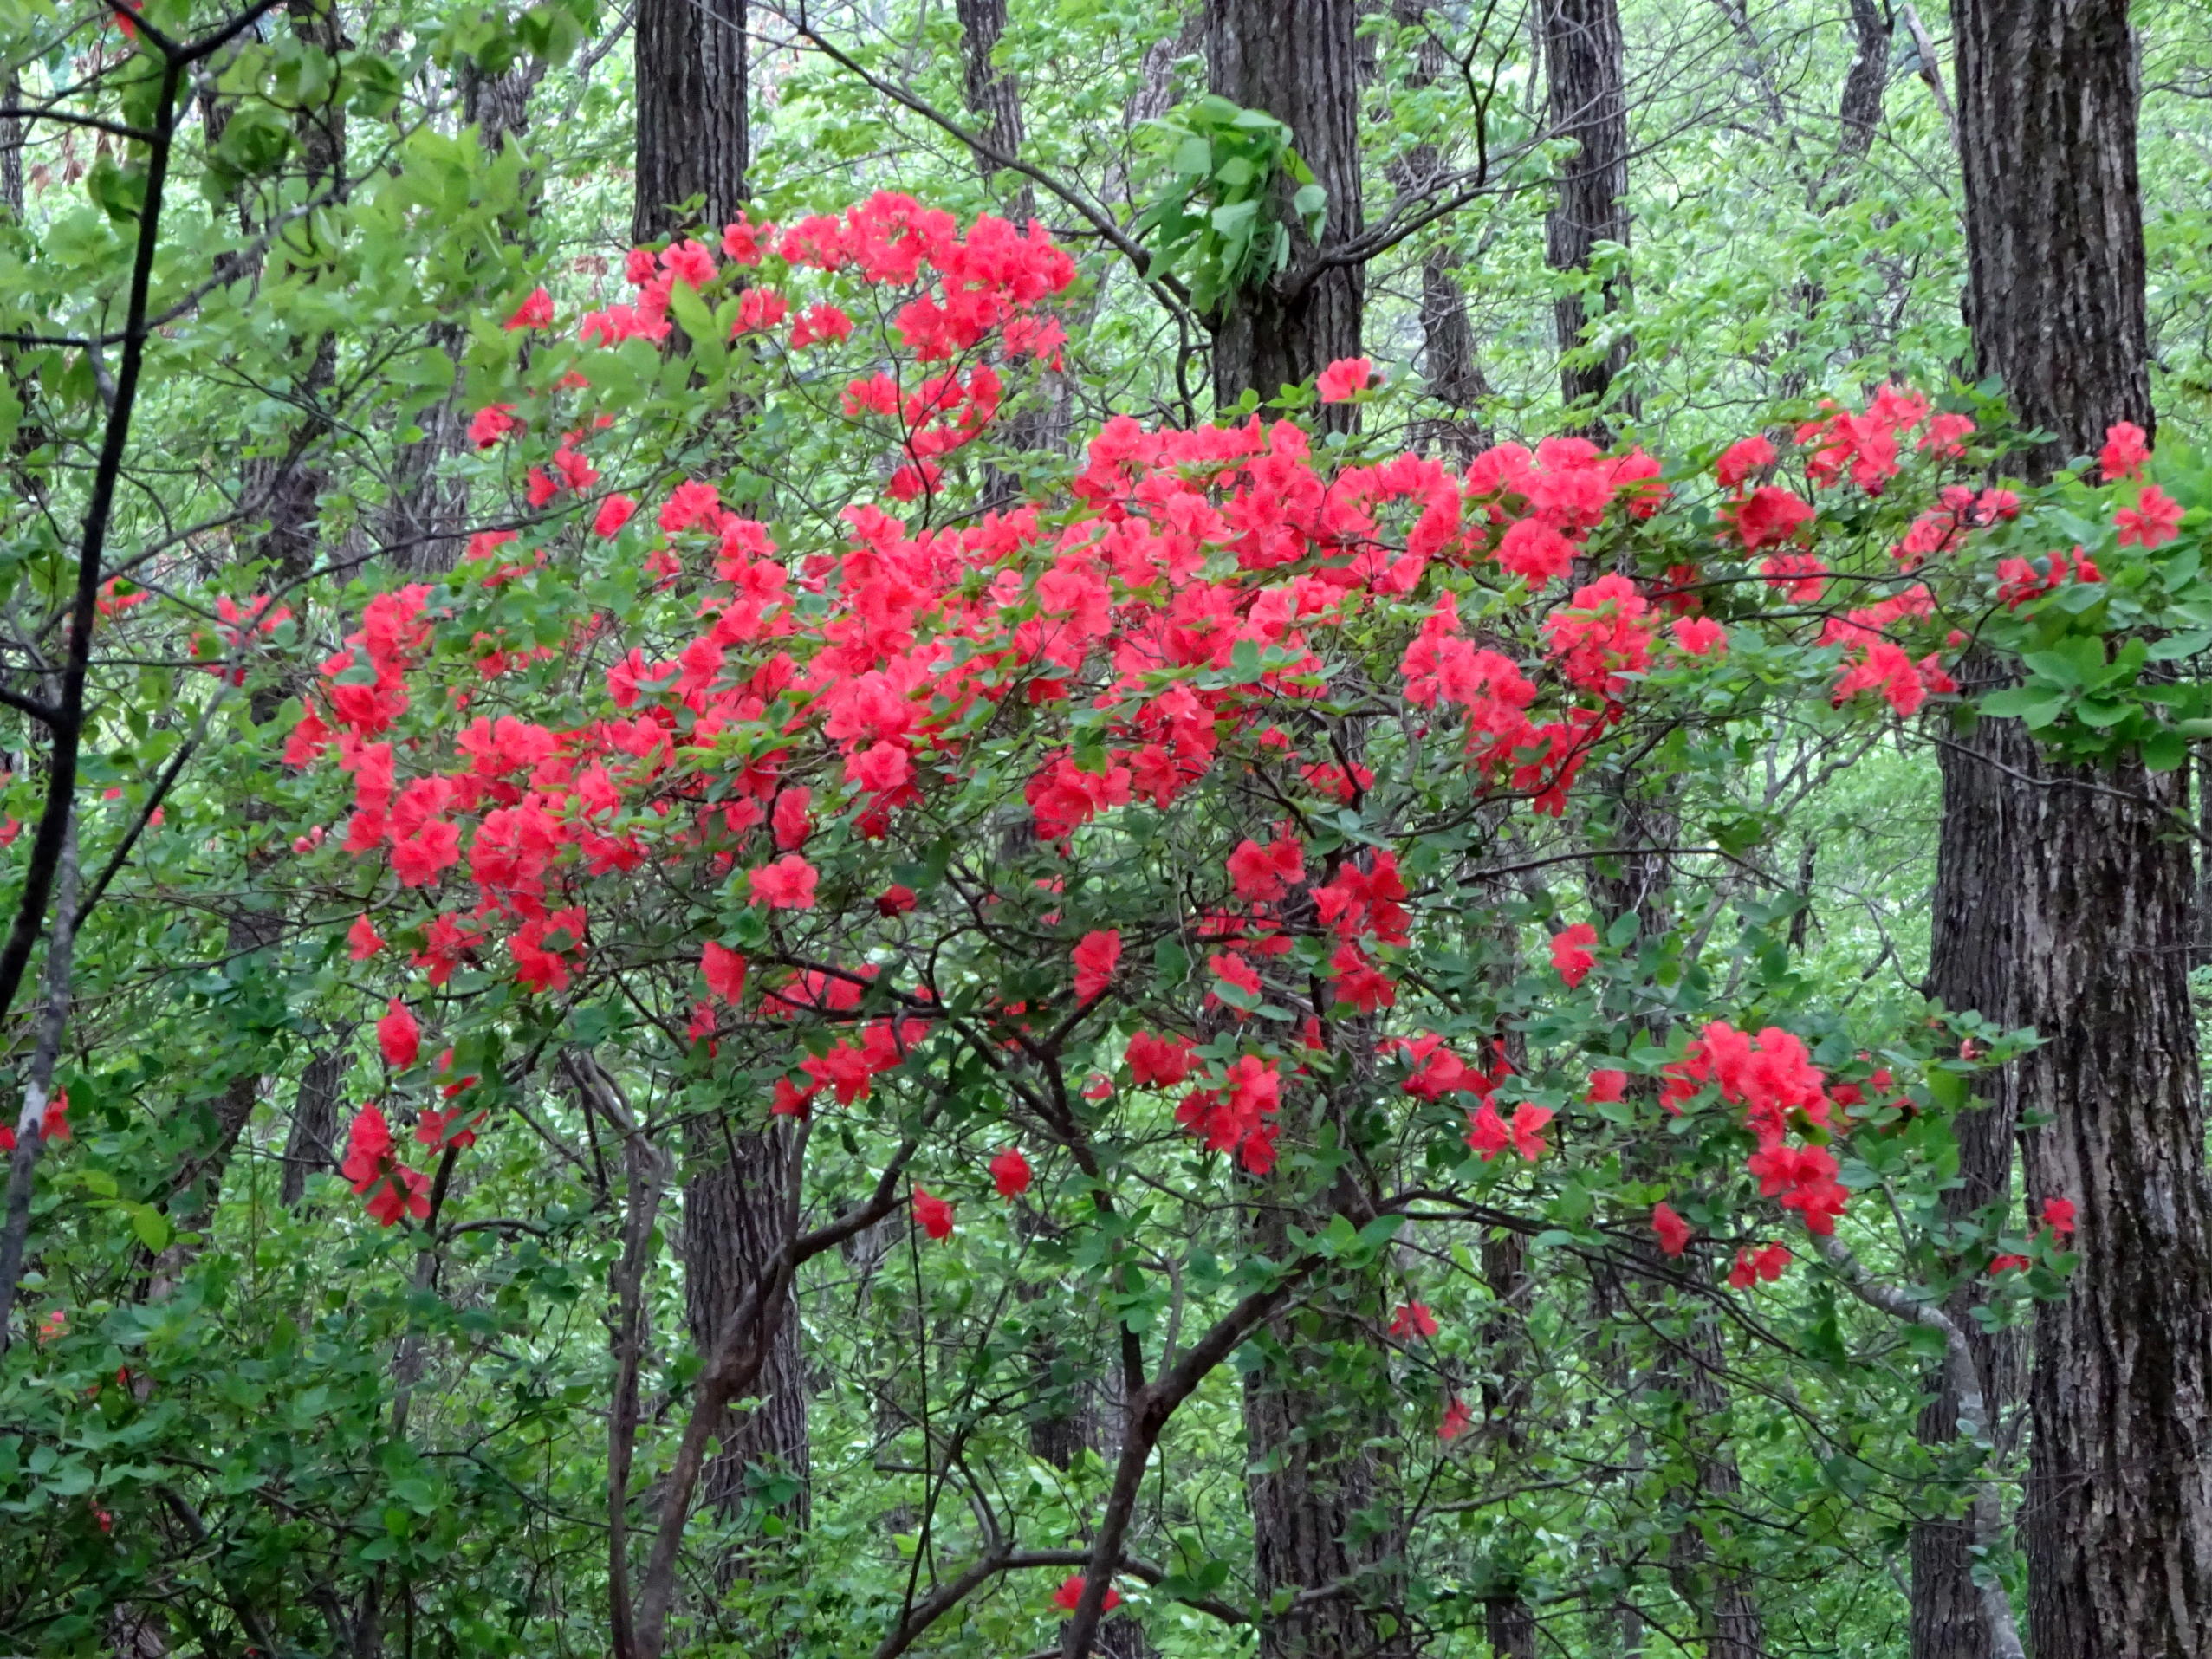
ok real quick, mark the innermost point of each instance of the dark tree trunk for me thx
(1507, 1617)
(312, 1143)
(1727, 1611)
(1312, 1470)
(1310, 1466)
(1977, 937)
(1301, 63)
(11, 149)
(1587, 80)
(2046, 109)
(995, 96)
(733, 1223)
(1866, 83)
(693, 142)
(2084, 918)
(1448, 363)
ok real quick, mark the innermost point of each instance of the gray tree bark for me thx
(1299, 63)
(1586, 77)
(2081, 925)
(694, 145)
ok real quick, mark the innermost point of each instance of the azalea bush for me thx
(1188, 838)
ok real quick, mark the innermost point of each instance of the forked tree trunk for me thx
(2079, 919)
(1586, 76)
(1299, 62)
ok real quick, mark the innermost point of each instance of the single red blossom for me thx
(896, 900)
(1413, 1319)
(1159, 1062)
(2058, 1216)
(723, 970)
(689, 262)
(1742, 458)
(786, 885)
(1763, 1266)
(931, 1214)
(1769, 516)
(1571, 954)
(2009, 1264)
(614, 512)
(1010, 1173)
(399, 1036)
(1095, 958)
(1457, 1420)
(362, 940)
(1527, 1126)
(1700, 635)
(1674, 1232)
(819, 322)
(790, 820)
(435, 1128)
(1069, 1596)
(2125, 449)
(1487, 1132)
(491, 423)
(1345, 378)
(2155, 519)
(1263, 874)
(1606, 1086)
(536, 312)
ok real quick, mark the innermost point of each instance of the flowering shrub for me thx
(1151, 821)
(1215, 710)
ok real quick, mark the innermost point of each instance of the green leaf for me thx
(2165, 750)
(152, 1226)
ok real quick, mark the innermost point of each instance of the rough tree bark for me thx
(1508, 1619)
(2083, 921)
(1309, 1442)
(312, 1144)
(1454, 374)
(1310, 1469)
(1301, 64)
(995, 95)
(693, 142)
(1587, 80)
(1976, 938)
(733, 1224)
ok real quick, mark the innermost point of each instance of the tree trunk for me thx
(1587, 80)
(312, 1143)
(994, 97)
(1976, 939)
(2047, 108)
(1507, 1617)
(1448, 360)
(1301, 64)
(1312, 1470)
(693, 142)
(1866, 83)
(2091, 943)
(733, 1223)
